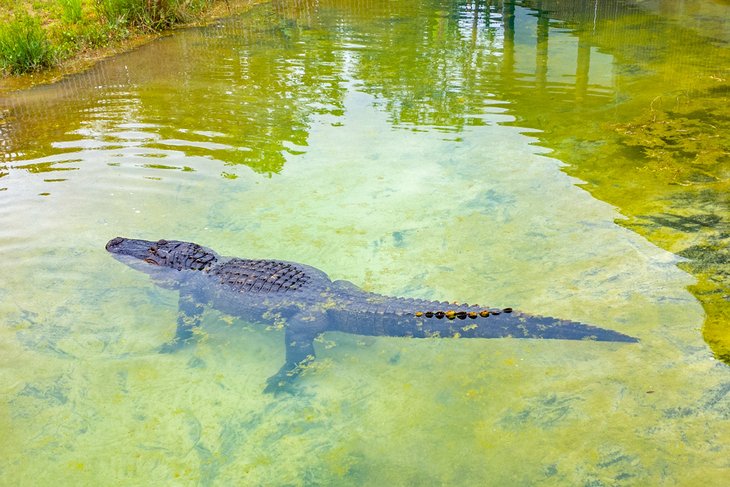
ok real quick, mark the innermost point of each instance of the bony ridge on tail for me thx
(309, 303)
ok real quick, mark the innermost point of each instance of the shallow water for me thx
(492, 153)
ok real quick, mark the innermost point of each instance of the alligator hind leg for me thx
(299, 335)
(189, 312)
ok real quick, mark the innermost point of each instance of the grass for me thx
(42, 33)
(153, 15)
(72, 11)
(24, 45)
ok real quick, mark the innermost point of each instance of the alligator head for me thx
(153, 257)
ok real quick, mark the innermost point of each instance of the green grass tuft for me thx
(24, 46)
(152, 15)
(72, 11)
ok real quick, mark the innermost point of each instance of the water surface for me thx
(563, 158)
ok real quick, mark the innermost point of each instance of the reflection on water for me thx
(416, 148)
(435, 65)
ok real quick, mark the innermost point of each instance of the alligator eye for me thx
(151, 261)
(162, 242)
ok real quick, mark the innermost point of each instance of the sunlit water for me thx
(430, 150)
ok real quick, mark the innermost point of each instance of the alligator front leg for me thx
(189, 313)
(301, 330)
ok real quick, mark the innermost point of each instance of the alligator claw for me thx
(173, 345)
(280, 383)
(169, 347)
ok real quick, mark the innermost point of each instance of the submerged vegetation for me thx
(684, 144)
(685, 139)
(48, 32)
(665, 166)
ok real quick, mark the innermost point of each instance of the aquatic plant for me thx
(685, 139)
(24, 45)
(681, 151)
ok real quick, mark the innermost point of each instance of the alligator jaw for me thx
(133, 253)
(129, 247)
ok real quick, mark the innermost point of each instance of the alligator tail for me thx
(522, 325)
(444, 319)
(388, 316)
(367, 313)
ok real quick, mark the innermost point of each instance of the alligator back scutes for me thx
(186, 256)
(263, 276)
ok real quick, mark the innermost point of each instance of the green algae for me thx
(677, 154)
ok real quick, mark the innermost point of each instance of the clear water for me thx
(563, 158)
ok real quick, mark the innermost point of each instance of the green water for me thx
(563, 158)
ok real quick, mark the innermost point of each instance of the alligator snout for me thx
(113, 243)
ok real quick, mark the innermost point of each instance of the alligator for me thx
(307, 303)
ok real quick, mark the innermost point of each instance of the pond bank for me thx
(75, 57)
